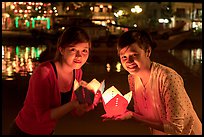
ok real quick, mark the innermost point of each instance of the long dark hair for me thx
(71, 36)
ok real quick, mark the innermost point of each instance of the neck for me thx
(63, 68)
(145, 74)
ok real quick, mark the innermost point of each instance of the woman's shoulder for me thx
(43, 67)
(162, 70)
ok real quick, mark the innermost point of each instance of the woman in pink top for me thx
(50, 92)
(160, 99)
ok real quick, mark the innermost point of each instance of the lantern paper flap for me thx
(110, 93)
(93, 85)
(76, 85)
(128, 96)
(102, 87)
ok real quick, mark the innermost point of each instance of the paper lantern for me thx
(90, 92)
(114, 102)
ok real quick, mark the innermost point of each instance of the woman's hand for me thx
(127, 115)
(80, 109)
(138, 117)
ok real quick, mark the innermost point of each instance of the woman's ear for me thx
(148, 51)
(60, 50)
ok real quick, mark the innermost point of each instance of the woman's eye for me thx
(72, 50)
(123, 57)
(134, 55)
(85, 51)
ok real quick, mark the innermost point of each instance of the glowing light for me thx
(110, 6)
(41, 18)
(20, 11)
(91, 8)
(118, 67)
(2, 52)
(17, 50)
(120, 12)
(101, 6)
(103, 23)
(108, 67)
(29, 7)
(12, 7)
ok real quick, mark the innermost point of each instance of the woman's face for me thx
(134, 59)
(75, 56)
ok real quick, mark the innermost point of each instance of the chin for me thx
(77, 66)
(132, 72)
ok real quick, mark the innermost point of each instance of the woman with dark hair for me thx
(160, 99)
(50, 92)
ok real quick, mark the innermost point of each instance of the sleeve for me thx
(41, 91)
(175, 98)
(78, 74)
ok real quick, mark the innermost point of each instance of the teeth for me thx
(130, 67)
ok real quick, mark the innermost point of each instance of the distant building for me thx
(44, 15)
(190, 13)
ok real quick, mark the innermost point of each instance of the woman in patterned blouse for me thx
(160, 99)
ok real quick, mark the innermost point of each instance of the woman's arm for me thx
(153, 124)
(60, 111)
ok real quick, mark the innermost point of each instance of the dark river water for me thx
(21, 60)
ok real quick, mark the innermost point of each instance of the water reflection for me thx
(22, 60)
(118, 66)
(191, 58)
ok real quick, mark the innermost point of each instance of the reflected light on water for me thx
(197, 54)
(19, 60)
(118, 66)
(22, 60)
(192, 58)
(108, 67)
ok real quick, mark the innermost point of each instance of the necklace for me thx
(144, 94)
(145, 89)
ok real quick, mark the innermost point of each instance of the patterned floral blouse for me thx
(164, 99)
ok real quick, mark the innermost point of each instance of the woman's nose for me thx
(130, 59)
(78, 54)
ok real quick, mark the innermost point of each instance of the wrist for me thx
(74, 104)
(130, 114)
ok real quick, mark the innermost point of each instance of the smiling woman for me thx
(160, 99)
(50, 92)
